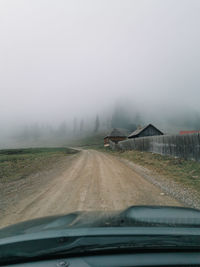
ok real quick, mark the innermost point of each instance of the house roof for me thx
(116, 133)
(188, 132)
(138, 131)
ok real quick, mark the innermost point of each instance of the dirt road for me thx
(90, 180)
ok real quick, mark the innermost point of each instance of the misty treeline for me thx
(77, 127)
(65, 130)
(122, 117)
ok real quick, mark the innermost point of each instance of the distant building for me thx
(188, 132)
(115, 136)
(148, 130)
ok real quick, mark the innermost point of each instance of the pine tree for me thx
(97, 124)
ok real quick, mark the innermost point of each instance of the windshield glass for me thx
(99, 112)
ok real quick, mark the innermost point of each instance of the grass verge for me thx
(185, 172)
(19, 163)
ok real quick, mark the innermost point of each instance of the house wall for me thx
(114, 139)
(106, 141)
(149, 131)
(117, 139)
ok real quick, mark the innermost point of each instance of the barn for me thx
(149, 130)
(115, 136)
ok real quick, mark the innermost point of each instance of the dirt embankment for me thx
(90, 180)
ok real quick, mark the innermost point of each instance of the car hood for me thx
(135, 216)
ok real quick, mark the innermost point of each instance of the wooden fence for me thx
(181, 146)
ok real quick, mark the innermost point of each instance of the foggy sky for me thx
(60, 59)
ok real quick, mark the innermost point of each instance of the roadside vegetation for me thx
(19, 163)
(185, 172)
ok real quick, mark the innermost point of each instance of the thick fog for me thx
(67, 64)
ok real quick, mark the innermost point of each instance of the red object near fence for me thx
(188, 132)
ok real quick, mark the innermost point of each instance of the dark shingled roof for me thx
(138, 131)
(116, 133)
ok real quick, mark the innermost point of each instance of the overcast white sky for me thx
(64, 58)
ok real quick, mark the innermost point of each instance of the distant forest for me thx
(123, 117)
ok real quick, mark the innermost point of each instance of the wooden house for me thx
(149, 130)
(115, 136)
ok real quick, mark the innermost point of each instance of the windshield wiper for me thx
(94, 244)
(134, 243)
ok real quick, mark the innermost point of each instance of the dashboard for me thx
(134, 259)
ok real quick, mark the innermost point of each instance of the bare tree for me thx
(81, 126)
(75, 126)
(97, 124)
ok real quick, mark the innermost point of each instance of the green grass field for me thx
(19, 163)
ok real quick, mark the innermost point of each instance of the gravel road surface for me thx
(89, 180)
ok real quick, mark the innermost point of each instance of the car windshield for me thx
(99, 116)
